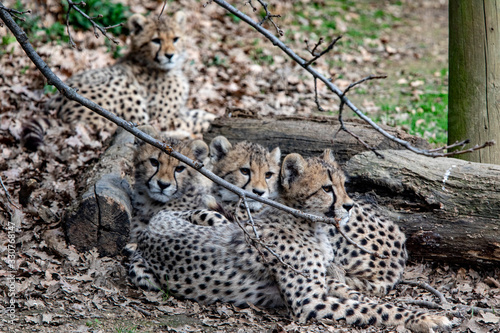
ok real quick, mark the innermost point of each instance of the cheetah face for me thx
(315, 186)
(248, 166)
(159, 43)
(162, 177)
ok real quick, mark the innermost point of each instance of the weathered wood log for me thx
(448, 208)
(101, 218)
(460, 223)
(308, 136)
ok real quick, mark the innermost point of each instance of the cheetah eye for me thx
(245, 171)
(156, 41)
(176, 39)
(154, 162)
(180, 168)
(269, 175)
(328, 188)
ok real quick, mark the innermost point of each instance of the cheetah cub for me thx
(247, 165)
(146, 86)
(209, 264)
(163, 182)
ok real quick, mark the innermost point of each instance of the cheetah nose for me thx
(169, 55)
(163, 185)
(258, 192)
(348, 206)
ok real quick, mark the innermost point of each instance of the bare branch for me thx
(103, 30)
(341, 109)
(328, 83)
(316, 57)
(267, 17)
(14, 13)
(313, 51)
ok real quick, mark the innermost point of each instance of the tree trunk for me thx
(448, 208)
(474, 88)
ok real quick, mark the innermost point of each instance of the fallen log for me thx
(309, 136)
(101, 218)
(448, 208)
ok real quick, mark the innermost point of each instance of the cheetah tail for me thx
(34, 130)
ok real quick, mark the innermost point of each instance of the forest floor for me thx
(232, 69)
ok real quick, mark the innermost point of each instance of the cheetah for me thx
(146, 86)
(209, 264)
(247, 165)
(163, 182)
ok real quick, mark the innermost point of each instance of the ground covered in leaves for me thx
(232, 71)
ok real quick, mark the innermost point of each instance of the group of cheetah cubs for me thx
(178, 243)
(184, 237)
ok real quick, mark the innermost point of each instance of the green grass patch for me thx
(422, 111)
(362, 19)
(112, 14)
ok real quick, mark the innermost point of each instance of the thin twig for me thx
(316, 57)
(162, 9)
(427, 287)
(341, 109)
(267, 17)
(257, 241)
(7, 194)
(316, 99)
(14, 13)
(141, 310)
(330, 85)
(313, 51)
(456, 144)
(103, 30)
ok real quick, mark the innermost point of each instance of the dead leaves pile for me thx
(232, 70)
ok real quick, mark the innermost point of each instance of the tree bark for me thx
(474, 88)
(308, 136)
(448, 208)
(101, 218)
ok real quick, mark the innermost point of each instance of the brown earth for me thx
(61, 290)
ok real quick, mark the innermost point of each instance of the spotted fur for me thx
(146, 86)
(163, 182)
(209, 264)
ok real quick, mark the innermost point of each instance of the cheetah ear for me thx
(149, 130)
(136, 23)
(219, 148)
(180, 18)
(293, 166)
(328, 156)
(199, 149)
(276, 155)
